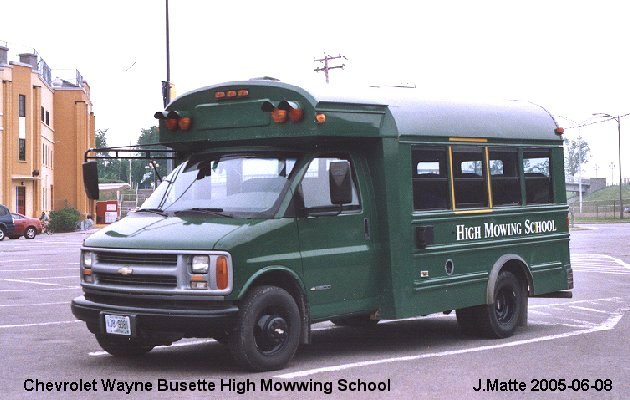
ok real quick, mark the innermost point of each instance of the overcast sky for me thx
(572, 57)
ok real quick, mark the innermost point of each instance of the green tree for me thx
(577, 153)
(140, 167)
(109, 170)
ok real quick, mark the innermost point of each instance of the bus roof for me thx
(418, 115)
(376, 111)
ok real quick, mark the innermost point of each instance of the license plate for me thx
(118, 325)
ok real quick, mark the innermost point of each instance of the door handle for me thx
(366, 229)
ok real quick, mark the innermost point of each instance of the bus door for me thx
(337, 250)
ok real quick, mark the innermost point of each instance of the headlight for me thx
(87, 259)
(200, 264)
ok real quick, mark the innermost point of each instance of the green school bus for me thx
(288, 207)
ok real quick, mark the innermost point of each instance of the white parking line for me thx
(40, 324)
(31, 282)
(38, 269)
(591, 301)
(35, 305)
(30, 290)
(55, 277)
(607, 325)
(588, 309)
(598, 257)
(183, 344)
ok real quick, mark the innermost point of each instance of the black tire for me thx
(499, 319)
(359, 321)
(3, 233)
(267, 331)
(123, 347)
(30, 233)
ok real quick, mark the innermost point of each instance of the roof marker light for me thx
(294, 110)
(184, 123)
(172, 120)
(279, 116)
(559, 131)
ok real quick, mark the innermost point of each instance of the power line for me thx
(601, 121)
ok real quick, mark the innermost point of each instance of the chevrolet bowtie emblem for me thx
(125, 271)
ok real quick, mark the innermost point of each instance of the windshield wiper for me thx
(208, 210)
(158, 211)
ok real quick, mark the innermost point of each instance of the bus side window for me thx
(536, 168)
(504, 176)
(469, 175)
(430, 179)
(315, 187)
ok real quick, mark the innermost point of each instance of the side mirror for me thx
(90, 179)
(340, 182)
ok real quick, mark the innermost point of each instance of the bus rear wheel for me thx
(499, 319)
(267, 332)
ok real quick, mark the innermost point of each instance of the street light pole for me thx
(579, 145)
(618, 119)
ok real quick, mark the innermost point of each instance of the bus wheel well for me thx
(286, 281)
(520, 270)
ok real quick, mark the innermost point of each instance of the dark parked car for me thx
(6, 222)
(25, 226)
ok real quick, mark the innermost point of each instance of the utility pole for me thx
(166, 85)
(618, 120)
(327, 66)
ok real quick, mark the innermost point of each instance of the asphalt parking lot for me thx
(582, 341)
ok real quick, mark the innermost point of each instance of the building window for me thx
(22, 149)
(22, 105)
(22, 128)
(43, 114)
(47, 118)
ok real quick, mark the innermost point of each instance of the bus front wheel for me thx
(267, 332)
(499, 319)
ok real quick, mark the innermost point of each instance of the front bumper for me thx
(159, 324)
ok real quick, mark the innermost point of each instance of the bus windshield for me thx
(248, 186)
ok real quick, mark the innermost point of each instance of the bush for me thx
(64, 220)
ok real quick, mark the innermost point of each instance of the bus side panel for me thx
(466, 247)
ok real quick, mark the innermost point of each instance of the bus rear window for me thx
(536, 167)
(506, 188)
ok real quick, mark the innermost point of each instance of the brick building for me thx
(46, 124)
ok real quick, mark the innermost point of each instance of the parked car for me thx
(6, 222)
(25, 226)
